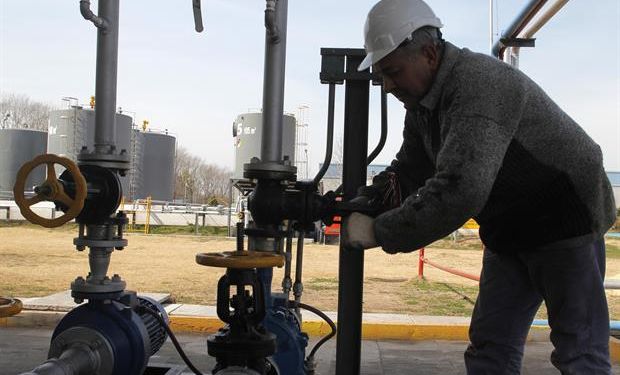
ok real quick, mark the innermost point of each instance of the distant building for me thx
(333, 176)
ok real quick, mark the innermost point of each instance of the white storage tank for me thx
(18, 146)
(247, 130)
(70, 129)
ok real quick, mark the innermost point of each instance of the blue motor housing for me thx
(132, 337)
(291, 343)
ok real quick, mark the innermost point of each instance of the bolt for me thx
(116, 278)
(80, 280)
(80, 247)
(78, 300)
(119, 248)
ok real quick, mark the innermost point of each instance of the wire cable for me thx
(173, 338)
(326, 319)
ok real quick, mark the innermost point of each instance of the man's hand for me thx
(358, 232)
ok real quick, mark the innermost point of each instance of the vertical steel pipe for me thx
(107, 67)
(351, 262)
(273, 87)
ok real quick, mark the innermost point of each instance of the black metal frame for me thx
(340, 66)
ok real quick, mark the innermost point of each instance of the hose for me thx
(173, 338)
(323, 316)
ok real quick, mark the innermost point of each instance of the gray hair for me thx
(424, 36)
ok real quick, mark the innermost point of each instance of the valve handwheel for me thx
(9, 307)
(50, 190)
(240, 259)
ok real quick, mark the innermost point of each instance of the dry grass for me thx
(35, 262)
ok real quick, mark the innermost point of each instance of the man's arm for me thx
(477, 130)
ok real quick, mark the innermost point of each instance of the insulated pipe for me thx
(330, 134)
(107, 67)
(273, 87)
(528, 12)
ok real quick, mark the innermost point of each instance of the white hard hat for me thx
(391, 22)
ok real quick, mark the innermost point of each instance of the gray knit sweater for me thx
(487, 142)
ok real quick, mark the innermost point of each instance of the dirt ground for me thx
(36, 262)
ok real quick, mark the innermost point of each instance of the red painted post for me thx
(421, 264)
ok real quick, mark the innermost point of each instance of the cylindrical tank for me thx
(156, 170)
(18, 146)
(247, 130)
(71, 129)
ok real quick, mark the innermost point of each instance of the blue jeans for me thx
(512, 287)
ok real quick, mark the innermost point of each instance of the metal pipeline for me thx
(90, 16)
(330, 134)
(273, 86)
(298, 286)
(382, 138)
(270, 21)
(106, 78)
(77, 360)
(517, 25)
(540, 22)
(384, 129)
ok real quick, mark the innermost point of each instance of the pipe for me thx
(76, 360)
(107, 67)
(491, 25)
(298, 287)
(540, 22)
(287, 283)
(330, 134)
(613, 324)
(198, 26)
(270, 21)
(273, 87)
(384, 129)
(526, 14)
(90, 16)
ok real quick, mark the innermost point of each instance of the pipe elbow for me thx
(90, 16)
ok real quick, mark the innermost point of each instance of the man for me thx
(482, 140)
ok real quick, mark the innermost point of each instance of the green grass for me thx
(322, 283)
(182, 229)
(440, 298)
(612, 250)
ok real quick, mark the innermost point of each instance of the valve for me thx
(50, 190)
(9, 307)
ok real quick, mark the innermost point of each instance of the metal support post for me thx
(351, 262)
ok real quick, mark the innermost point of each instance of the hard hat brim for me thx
(373, 58)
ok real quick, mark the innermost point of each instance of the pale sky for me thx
(195, 85)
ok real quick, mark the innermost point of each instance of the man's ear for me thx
(431, 54)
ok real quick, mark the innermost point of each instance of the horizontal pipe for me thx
(452, 270)
(613, 324)
(519, 23)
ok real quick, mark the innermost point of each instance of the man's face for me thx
(408, 76)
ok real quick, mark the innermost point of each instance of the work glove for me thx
(358, 232)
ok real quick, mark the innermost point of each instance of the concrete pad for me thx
(62, 301)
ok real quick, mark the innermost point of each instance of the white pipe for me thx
(491, 26)
(540, 22)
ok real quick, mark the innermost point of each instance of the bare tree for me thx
(19, 111)
(198, 181)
